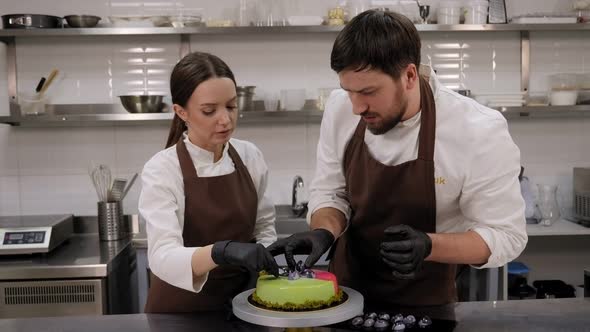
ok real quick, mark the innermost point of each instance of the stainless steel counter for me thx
(527, 315)
(82, 256)
(139, 240)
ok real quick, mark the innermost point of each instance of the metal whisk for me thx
(101, 178)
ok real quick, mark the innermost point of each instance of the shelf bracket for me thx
(12, 78)
(185, 45)
(525, 60)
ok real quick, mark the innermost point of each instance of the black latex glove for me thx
(313, 243)
(404, 250)
(252, 256)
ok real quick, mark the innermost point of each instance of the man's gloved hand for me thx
(404, 250)
(313, 243)
(252, 256)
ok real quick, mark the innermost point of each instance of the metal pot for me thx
(29, 21)
(245, 98)
(82, 21)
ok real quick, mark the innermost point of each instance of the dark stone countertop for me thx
(524, 315)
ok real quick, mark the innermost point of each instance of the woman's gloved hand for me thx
(253, 256)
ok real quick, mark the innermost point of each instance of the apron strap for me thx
(189, 172)
(235, 157)
(428, 124)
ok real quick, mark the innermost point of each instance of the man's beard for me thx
(387, 124)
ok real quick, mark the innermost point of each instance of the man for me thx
(412, 178)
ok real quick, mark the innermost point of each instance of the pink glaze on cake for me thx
(325, 275)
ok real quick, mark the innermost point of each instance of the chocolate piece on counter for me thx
(399, 327)
(371, 315)
(384, 316)
(409, 320)
(397, 318)
(357, 321)
(381, 325)
(369, 322)
(425, 322)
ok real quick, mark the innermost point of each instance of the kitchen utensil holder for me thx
(111, 224)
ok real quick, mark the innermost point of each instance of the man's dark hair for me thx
(374, 39)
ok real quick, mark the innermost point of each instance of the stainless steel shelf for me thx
(278, 29)
(115, 115)
(82, 120)
(577, 111)
(165, 31)
(503, 27)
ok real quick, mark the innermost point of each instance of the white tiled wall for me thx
(45, 170)
(557, 52)
(273, 63)
(98, 69)
(550, 149)
(483, 63)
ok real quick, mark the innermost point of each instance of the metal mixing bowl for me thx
(143, 104)
(82, 21)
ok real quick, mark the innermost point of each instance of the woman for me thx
(204, 197)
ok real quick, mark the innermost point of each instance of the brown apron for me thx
(382, 196)
(216, 208)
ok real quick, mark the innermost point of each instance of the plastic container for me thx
(449, 12)
(563, 97)
(518, 287)
(32, 104)
(293, 99)
(563, 81)
(271, 101)
(476, 12)
(564, 89)
(537, 98)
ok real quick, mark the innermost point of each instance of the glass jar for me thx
(547, 203)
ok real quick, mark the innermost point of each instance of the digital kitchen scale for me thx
(34, 234)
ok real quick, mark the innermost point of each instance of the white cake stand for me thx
(248, 312)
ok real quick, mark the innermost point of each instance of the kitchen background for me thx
(45, 170)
